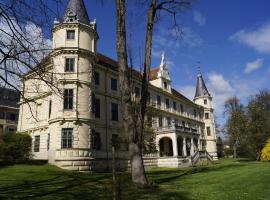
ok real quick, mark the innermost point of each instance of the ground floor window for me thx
(67, 138)
(96, 140)
(36, 143)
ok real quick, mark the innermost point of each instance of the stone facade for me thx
(73, 120)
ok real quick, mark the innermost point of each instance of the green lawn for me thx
(226, 180)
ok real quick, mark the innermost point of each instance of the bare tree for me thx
(134, 119)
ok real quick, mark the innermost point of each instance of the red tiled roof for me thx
(153, 73)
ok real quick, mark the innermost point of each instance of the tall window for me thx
(96, 78)
(208, 130)
(67, 138)
(183, 124)
(176, 122)
(160, 120)
(205, 101)
(114, 84)
(68, 99)
(206, 115)
(195, 113)
(11, 116)
(69, 67)
(137, 92)
(114, 111)
(167, 103)
(148, 97)
(174, 105)
(158, 100)
(97, 108)
(95, 140)
(165, 85)
(70, 34)
(50, 108)
(181, 108)
(48, 142)
(36, 143)
(169, 121)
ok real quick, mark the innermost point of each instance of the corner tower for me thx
(204, 99)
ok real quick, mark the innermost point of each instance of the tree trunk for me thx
(234, 151)
(137, 167)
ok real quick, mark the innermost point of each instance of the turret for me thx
(203, 98)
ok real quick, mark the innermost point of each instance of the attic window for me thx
(70, 34)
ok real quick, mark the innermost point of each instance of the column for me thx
(184, 147)
(191, 147)
(175, 148)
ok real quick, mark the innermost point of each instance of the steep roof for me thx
(153, 73)
(76, 7)
(201, 90)
(9, 98)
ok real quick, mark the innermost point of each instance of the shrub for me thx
(15, 147)
(265, 154)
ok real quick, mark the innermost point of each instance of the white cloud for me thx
(251, 66)
(258, 39)
(199, 18)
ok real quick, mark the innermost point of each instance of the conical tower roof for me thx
(76, 12)
(201, 90)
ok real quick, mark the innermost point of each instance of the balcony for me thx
(176, 128)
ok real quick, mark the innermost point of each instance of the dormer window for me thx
(70, 34)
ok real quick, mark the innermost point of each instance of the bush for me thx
(15, 147)
(265, 154)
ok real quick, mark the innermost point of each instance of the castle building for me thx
(9, 109)
(74, 120)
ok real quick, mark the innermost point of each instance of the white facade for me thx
(67, 132)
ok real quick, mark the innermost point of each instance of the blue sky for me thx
(230, 38)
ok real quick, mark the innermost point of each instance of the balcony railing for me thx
(177, 128)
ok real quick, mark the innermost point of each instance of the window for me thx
(208, 131)
(2, 115)
(174, 105)
(158, 100)
(95, 140)
(149, 121)
(68, 99)
(206, 115)
(181, 108)
(70, 34)
(115, 141)
(195, 113)
(183, 124)
(69, 67)
(176, 122)
(167, 103)
(96, 78)
(66, 138)
(50, 108)
(48, 142)
(114, 84)
(36, 143)
(137, 92)
(148, 97)
(114, 111)
(205, 101)
(97, 108)
(165, 85)
(160, 121)
(11, 129)
(11, 116)
(169, 121)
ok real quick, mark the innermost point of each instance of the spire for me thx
(201, 89)
(76, 12)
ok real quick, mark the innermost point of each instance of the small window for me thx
(174, 105)
(205, 101)
(137, 92)
(70, 34)
(206, 115)
(183, 124)
(96, 78)
(36, 143)
(158, 100)
(11, 129)
(115, 141)
(12, 116)
(69, 67)
(167, 103)
(181, 108)
(114, 111)
(68, 99)
(2, 115)
(195, 113)
(169, 121)
(165, 85)
(97, 108)
(96, 140)
(114, 84)
(67, 138)
(208, 131)
(160, 121)
(176, 122)
(50, 108)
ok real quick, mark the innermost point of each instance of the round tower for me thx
(74, 56)
(204, 99)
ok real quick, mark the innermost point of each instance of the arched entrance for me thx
(180, 146)
(165, 147)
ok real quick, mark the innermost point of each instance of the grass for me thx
(226, 180)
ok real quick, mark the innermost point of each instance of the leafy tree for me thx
(265, 154)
